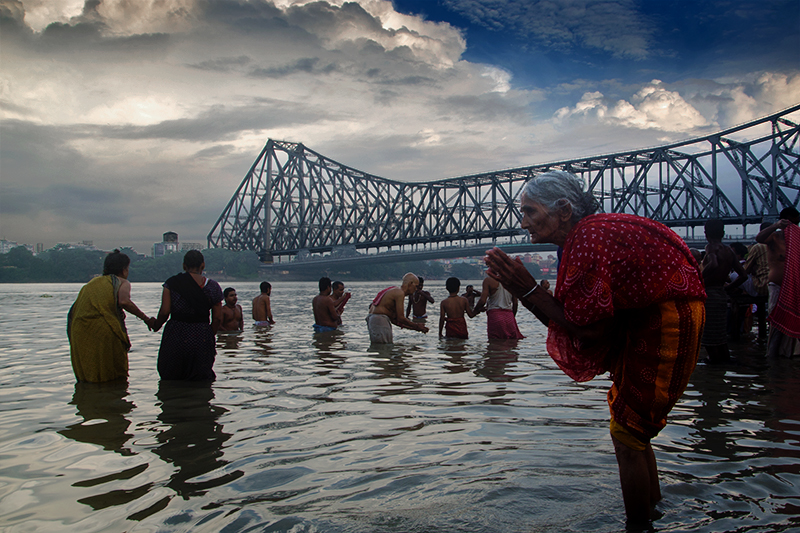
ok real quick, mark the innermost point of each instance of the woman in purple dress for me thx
(188, 345)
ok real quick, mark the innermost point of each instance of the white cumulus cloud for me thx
(652, 107)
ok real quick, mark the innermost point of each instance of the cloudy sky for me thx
(123, 119)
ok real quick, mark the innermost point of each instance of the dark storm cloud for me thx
(17, 109)
(319, 18)
(80, 42)
(217, 124)
(216, 151)
(222, 64)
(305, 65)
(41, 173)
(483, 108)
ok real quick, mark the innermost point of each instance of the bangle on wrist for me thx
(529, 292)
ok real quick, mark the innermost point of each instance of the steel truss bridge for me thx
(297, 202)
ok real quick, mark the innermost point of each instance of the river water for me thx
(307, 433)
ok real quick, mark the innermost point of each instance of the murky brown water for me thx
(323, 434)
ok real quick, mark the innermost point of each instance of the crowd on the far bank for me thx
(631, 300)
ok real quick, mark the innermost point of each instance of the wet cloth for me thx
(98, 340)
(757, 266)
(380, 329)
(379, 297)
(641, 274)
(456, 328)
(779, 344)
(188, 344)
(500, 320)
(659, 352)
(715, 332)
(786, 315)
(501, 324)
(323, 329)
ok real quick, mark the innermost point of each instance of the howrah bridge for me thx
(297, 206)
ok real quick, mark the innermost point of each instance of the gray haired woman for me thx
(628, 300)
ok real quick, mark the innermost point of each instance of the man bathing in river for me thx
(452, 311)
(387, 309)
(232, 319)
(339, 297)
(326, 317)
(262, 311)
(784, 280)
(418, 302)
(470, 295)
(718, 263)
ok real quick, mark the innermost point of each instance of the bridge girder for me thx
(295, 199)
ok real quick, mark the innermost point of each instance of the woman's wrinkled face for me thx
(542, 223)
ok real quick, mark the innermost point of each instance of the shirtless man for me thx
(470, 295)
(419, 302)
(718, 263)
(339, 297)
(387, 309)
(326, 318)
(232, 319)
(262, 312)
(778, 343)
(452, 311)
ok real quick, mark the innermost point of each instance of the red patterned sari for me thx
(641, 274)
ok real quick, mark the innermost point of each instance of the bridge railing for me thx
(294, 199)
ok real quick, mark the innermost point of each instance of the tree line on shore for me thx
(75, 265)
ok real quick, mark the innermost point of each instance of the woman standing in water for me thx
(98, 339)
(188, 347)
(629, 300)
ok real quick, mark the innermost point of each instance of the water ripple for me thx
(325, 433)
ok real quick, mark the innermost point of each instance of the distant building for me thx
(186, 246)
(83, 245)
(169, 245)
(6, 246)
(39, 247)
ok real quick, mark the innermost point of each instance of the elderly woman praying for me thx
(628, 300)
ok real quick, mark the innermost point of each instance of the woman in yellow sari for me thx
(98, 339)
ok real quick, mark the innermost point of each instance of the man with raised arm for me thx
(339, 297)
(326, 318)
(783, 256)
(418, 302)
(387, 309)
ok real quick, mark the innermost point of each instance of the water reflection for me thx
(328, 345)
(391, 361)
(105, 411)
(712, 438)
(328, 341)
(262, 338)
(192, 438)
(456, 353)
(103, 407)
(229, 341)
(499, 354)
